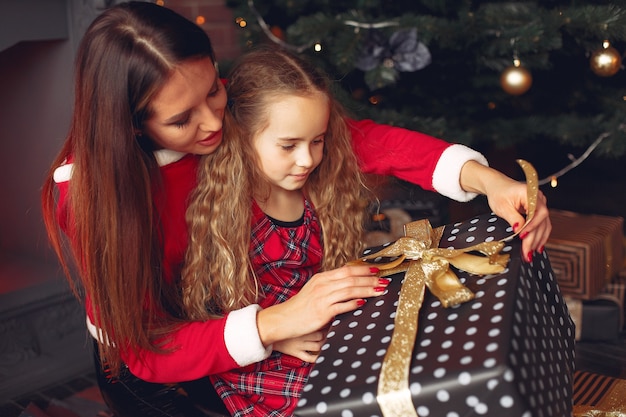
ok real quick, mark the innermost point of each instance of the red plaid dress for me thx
(284, 257)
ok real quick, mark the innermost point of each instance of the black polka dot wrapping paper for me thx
(507, 352)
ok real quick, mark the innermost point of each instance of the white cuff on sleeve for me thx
(447, 175)
(241, 336)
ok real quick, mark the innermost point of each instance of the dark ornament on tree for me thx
(402, 51)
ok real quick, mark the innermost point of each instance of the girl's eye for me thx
(288, 147)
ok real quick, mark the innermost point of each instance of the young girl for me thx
(297, 207)
(148, 102)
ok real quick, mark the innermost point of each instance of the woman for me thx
(148, 102)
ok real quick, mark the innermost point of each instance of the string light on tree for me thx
(605, 61)
(516, 80)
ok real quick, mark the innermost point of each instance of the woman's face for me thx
(188, 111)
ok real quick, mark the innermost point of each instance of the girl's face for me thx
(188, 111)
(292, 144)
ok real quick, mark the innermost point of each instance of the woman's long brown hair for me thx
(217, 276)
(126, 55)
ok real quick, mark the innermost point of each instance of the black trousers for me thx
(129, 396)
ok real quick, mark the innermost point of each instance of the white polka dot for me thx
(368, 398)
(423, 411)
(481, 408)
(344, 393)
(491, 347)
(464, 378)
(321, 407)
(443, 396)
(325, 390)
(439, 372)
(347, 413)
(471, 401)
(466, 360)
(415, 388)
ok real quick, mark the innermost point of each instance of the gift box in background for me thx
(595, 320)
(601, 318)
(586, 251)
(599, 395)
(510, 351)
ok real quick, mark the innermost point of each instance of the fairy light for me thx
(553, 182)
(552, 179)
(241, 22)
(160, 3)
(317, 47)
(200, 20)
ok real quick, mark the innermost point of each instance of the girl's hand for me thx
(508, 199)
(306, 347)
(326, 295)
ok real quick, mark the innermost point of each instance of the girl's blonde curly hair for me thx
(217, 277)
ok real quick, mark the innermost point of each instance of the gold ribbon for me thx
(427, 265)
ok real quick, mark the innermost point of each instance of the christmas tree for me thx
(537, 77)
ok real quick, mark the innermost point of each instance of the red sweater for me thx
(214, 346)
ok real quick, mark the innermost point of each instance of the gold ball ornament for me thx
(605, 61)
(516, 80)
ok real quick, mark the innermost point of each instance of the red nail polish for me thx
(360, 302)
(374, 270)
(379, 289)
(529, 258)
(523, 235)
(515, 226)
(384, 281)
(541, 249)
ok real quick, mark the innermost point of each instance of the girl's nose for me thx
(304, 159)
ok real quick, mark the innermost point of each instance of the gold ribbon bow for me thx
(427, 265)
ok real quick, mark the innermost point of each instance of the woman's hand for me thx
(306, 347)
(326, 295)
(508, 199)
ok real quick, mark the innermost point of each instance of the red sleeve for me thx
(402, 153)
(198, 350)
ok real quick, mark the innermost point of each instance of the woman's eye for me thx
(181, 123)
(288, 147)
(216, 90)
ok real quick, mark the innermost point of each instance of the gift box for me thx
(509, 351)
(585, 251)
(595, 320)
